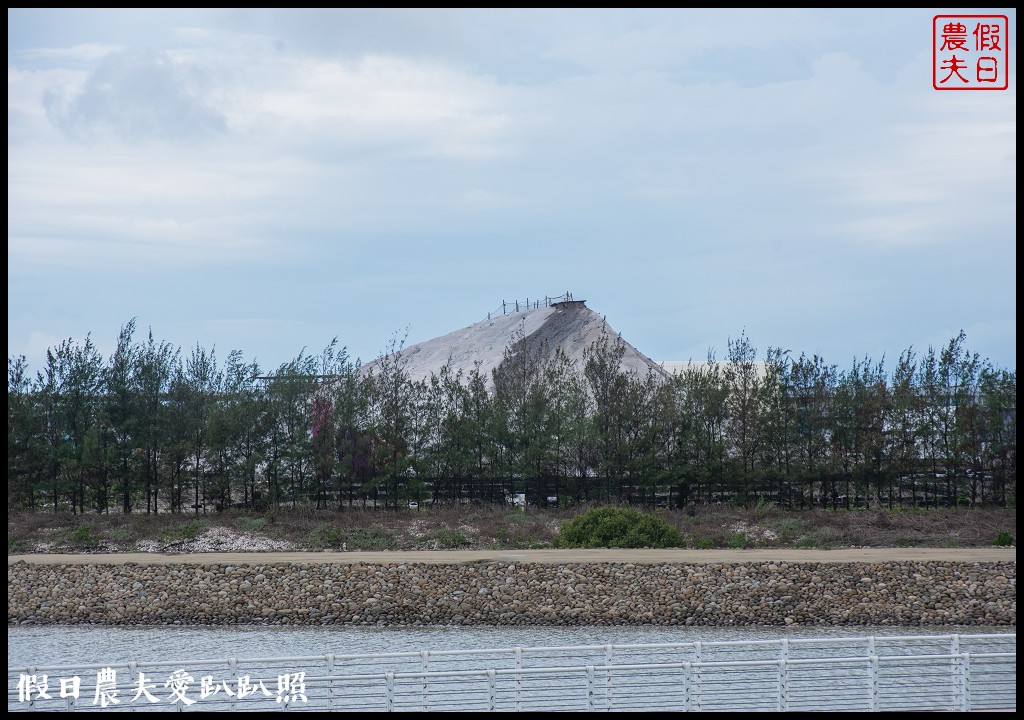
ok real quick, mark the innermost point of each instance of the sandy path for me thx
(865, 555)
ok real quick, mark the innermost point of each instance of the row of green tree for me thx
(153, 429)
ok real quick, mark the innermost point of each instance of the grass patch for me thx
(182, 531)
(824, 537)
(375, 537)
(789, 529)
(519, 516)
(522, 542)
(251, 524)
(448, 538)
(122, 535)
(510, 528)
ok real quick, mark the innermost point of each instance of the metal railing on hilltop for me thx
(516, 306)
(908, 673)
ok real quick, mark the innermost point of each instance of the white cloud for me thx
(136, 96)
(83, 52)
(429, 108)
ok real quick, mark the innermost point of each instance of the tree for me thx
(998, 389)
(905, 425)
(238, 430)
(744, 411)
(698, 440)
(607, 385)
(813, 383)
(202, 386)
(70, 390)
(393, 399)
(518, 417)
(25, 435)
(778, 450)
(353, 443)
(858, 426)
(121, 415)
(958, 371)
(290, 449)
(156, 364)
(334, 391)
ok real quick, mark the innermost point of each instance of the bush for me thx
(789, 529)
(447, 538)
(324, 536)
(739, 541)
(1004, 539)
(84, 535)
(182, 531)
(375, 537)
(121, 535)
(607, 527)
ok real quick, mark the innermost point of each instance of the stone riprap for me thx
(501, 593)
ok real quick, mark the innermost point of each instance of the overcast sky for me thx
(267, 180)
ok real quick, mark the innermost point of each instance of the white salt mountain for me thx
(570, 326)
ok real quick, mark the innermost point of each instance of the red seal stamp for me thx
(970, 52)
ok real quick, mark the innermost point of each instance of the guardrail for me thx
(904, 673)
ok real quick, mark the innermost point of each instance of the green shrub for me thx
(121, 534)
(705, 543)
(84, 535)
(187, 530)
(607, 527)
(1004, 538)
(763, 508)
(519, 516)
(375, 537)
(739, 541)
(323, 536)
(447, 538)
(789, 529)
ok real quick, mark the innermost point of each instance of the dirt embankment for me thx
(547, 557)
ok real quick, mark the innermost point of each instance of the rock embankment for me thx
(500, 593)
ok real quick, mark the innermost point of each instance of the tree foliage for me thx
(151, 429)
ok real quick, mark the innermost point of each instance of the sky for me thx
(268, 180)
